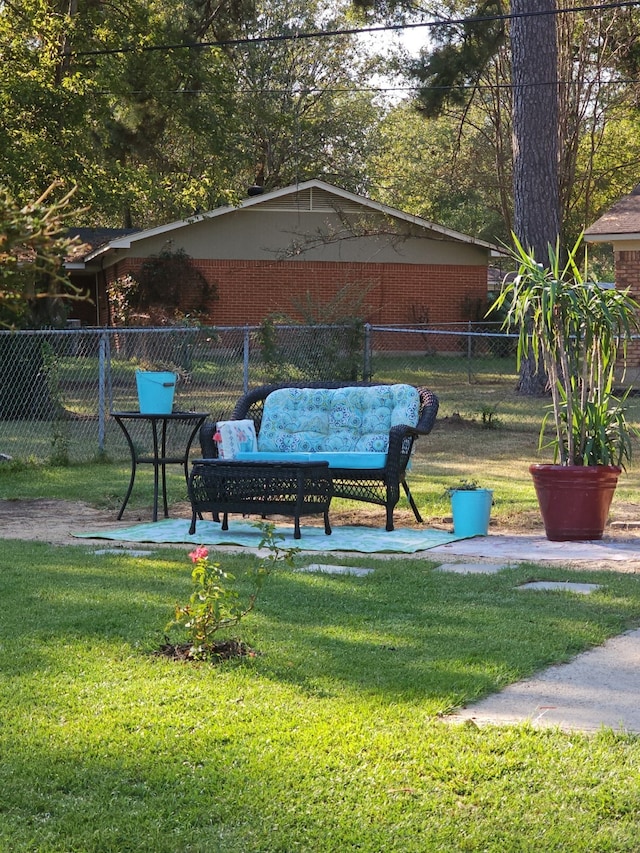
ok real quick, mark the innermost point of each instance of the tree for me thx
(33, 245)
(299, 113)
(534, 69)
(33, 289)
(86, 96)
(454, 181)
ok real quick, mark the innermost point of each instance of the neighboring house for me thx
(89, 277)
(307, 241)
(620, 226)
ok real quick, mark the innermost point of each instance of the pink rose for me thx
(199, 553)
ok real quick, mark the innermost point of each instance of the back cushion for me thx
(342, 420)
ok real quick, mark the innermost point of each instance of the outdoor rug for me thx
(368, 540)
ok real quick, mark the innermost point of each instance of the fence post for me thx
(469, 351)
(102, 359)
(245, 360)
(366, 366)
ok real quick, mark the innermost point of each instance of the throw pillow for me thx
(233, 437)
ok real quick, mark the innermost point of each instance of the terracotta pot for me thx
(574, 499)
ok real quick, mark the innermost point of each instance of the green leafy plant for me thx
(488, 414)
(579, 332)
(33, 245)
(463, 486)
(154, 295)
(215, 604)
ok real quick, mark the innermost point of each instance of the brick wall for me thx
(396, 294)
(627, 265)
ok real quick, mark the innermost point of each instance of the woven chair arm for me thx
(207, 444)
(429, 405)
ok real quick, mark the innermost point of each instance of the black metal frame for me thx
(159, 458)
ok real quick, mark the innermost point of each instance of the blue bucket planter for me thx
(155, 391)
(471, 510)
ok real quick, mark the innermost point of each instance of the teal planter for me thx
(471, 510)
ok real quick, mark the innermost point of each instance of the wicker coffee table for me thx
(260, 488)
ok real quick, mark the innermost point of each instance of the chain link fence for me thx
(57, 388)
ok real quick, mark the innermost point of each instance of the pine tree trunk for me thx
(534, 56)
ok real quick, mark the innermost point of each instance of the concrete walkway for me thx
(538, 549)
(599, 688)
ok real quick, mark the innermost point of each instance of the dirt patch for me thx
(220, 651)
(55, 521)
(52, 521)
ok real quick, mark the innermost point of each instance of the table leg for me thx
(132, 478)
(154, 432)
(186, 471)
(298, 504)
(164, 469)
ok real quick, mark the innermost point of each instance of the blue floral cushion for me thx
(337, 420)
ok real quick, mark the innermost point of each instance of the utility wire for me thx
(248, 41)
(316, 90)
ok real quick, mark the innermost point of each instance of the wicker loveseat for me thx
(365, 431)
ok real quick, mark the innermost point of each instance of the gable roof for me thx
(87, 240)
(620, 222)
(313, 195)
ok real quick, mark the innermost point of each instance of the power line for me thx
(249, 41)
(314, 90)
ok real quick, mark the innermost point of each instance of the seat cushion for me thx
(353, 419)
(335, 460)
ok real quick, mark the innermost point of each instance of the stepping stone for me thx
(129, 552)
(324, 568)
(580, 588)
(472, 568)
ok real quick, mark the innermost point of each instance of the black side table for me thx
(159, 460)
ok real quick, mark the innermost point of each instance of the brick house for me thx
(620, 226)
(311, 240)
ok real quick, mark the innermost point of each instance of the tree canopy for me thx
(156, 109)
(481, 69)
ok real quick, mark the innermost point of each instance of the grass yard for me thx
(328, 740)
(457, 449)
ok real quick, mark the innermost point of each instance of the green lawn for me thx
(329, 739)
(497, 458)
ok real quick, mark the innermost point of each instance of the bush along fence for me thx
(57, 387)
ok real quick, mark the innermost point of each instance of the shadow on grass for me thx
(401, 633)
(408, 632)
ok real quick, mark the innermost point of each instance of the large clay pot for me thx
(574, 499)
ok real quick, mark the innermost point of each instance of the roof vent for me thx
(255, 190)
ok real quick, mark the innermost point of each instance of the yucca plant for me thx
(578, 331)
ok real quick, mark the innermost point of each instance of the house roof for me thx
(292, 197)
(620, 222)
(88, 240)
